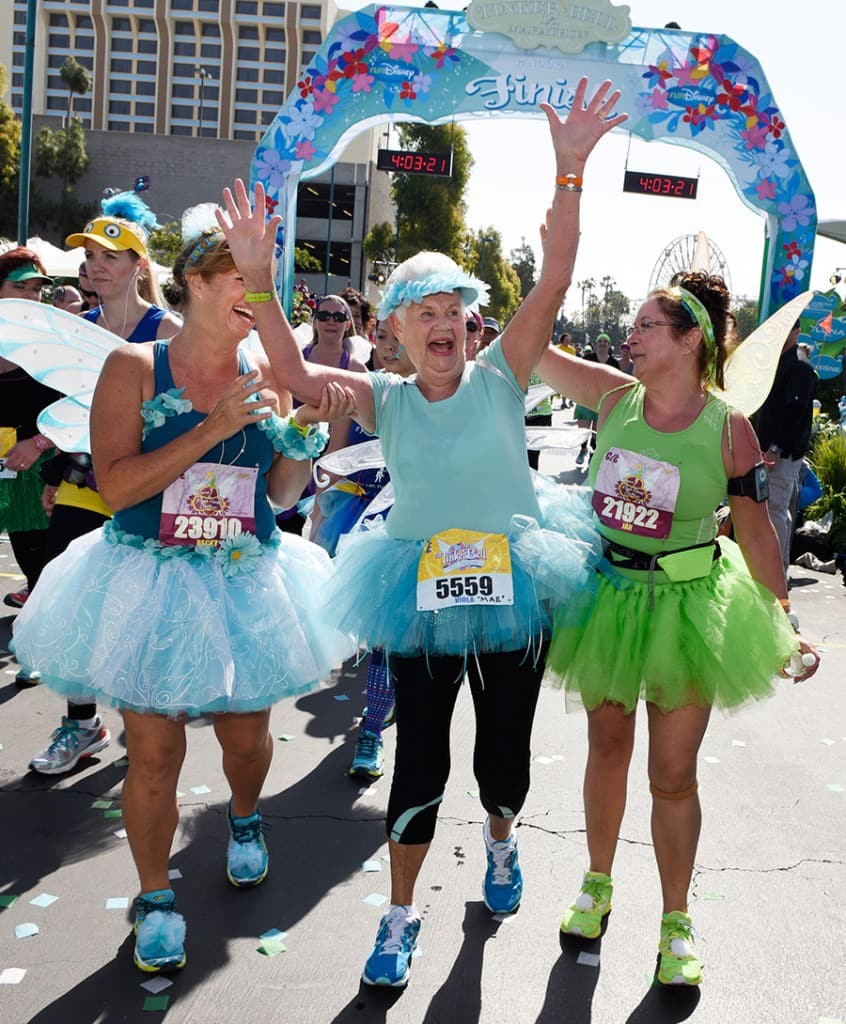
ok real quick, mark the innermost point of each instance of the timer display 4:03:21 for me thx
(660, 185)
(405, 162)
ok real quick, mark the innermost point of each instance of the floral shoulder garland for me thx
(235, 555)
(165, 404)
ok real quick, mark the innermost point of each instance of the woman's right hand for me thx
(251, 237)
(235, 408)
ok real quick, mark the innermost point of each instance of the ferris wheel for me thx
(689, 252)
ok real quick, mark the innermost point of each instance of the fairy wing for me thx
(750, 370)
(367, 455)
(536, 394)
(66, 353)
(555, 439)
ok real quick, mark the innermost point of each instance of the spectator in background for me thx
(586, 418)
(625, 362)
(490, 330)
(68, 298)
(90, 298)
(473, 326)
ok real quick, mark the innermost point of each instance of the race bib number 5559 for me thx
(464, 567)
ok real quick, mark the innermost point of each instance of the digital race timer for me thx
(660, 184)
(405, 162)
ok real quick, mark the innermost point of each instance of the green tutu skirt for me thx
(716, 641)
(20, 501)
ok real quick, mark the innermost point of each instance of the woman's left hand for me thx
(251, 236)
(336, 402)
(585, 124)
(806, 651)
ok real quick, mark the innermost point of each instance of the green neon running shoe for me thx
(679, 964)
(584, 917)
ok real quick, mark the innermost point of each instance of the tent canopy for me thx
(65, 262)
(835, 229)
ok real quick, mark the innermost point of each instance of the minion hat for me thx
(112, 233)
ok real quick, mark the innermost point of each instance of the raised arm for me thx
(251, 239)
(573, 139)
(584, 381)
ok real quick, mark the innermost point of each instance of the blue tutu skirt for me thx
(177, 631)
(373, 591)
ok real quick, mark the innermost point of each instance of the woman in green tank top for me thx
(678, 621)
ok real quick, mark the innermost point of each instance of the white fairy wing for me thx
(536, 394)
(353, 459)
(377, 508)
(550, 439)
(66, 422)
(57, 348)
(750, 370)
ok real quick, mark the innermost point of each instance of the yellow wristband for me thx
(301, 428)
(258, 296)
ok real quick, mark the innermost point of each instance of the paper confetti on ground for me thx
(12, 975)
(156, 1003)
(156, 985)
(117, 903)
(26, 931)
(371, 865)
(588, 959)
(375, 899)
(200, 790)
(44, 900)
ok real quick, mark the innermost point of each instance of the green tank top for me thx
(657, 491)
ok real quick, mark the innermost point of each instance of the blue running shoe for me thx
(503, 888)
(368, 762)
(159, 932)
(246, 855)
(396, 940)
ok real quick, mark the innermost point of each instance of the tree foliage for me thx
(380, 242)
(61, 154)
(482, 256)
(522, 259)
(78, 80)
(430, 211)
(10, 160)
(166, 243)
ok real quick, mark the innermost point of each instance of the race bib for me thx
(464, 567)
(8, 440)
(636, 494)
(208, 503)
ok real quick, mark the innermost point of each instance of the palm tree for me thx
(78, 80)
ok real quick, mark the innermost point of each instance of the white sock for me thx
(86, 723)
(489, 839)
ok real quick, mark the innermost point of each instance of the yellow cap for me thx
(112, 233)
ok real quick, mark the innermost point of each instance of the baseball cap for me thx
(489, 321)
(112, 233)
(28, 272)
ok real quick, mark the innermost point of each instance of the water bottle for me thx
(798, 663)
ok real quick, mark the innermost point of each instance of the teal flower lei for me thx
(156, 410)
(288, 440)
(235, 555)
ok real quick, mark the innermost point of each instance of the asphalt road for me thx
(768, 897)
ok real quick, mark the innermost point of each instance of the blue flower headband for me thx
(701, 317)
(204, 243)
(404, 293)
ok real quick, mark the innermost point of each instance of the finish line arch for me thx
(387, 64)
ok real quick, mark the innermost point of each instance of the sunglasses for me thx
(323, 315)
(471, 326)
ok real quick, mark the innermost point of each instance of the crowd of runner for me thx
(166, 577)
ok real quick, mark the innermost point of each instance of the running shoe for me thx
(582, 456)
(246, 855)
(368, 761)
(17, 599)
(159, 932)
(503, 888)
(396, 940)
(28, 677)
(68, 744)
(584, 917)
(679, 964)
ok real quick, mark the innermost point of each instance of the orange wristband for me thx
(569, 182)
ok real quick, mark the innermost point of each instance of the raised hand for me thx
(587, 121)
(251, 236)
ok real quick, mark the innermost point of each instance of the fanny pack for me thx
(679, 566)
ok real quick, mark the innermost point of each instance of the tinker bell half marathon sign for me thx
(501, 58)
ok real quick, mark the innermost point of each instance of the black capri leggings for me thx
(504, 697)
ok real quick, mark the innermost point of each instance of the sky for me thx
(802, 50)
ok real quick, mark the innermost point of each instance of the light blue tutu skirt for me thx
(373, 591)
(176, 631)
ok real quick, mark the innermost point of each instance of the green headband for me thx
(702, 319)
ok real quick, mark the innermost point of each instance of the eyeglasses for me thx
(646, 325)
(471, 326)
(323, 315)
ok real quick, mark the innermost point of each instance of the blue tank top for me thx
(249, 447)
(146, 329)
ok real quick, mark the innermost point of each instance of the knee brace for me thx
(681, 794)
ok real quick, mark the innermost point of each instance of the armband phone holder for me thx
(755, 484)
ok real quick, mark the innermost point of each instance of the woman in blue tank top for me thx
(469, 565)
(190, 601)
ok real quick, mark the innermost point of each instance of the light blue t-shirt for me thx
(457, 463)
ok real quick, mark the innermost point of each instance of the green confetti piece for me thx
(121, 762)
(714, 896)
(285, 737)
(156, 1003)
(8, 899)
(179, 794)
(102, 805)
(474, 793)
(115, 812)
(272, 947)
(835, 787)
